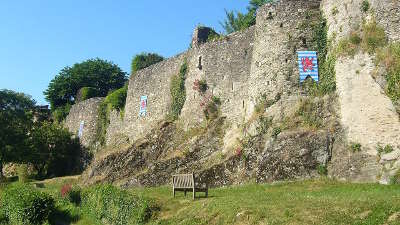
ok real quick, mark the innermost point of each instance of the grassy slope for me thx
(307, 202)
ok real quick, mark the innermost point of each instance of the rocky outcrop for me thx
(295, 155)
(151, 161)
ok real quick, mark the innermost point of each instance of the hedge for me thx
(23, 204)
(111, 205)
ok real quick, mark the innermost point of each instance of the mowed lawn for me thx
(307, 202)
(321, 201)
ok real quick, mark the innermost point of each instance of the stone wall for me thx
(153, 82)
(225, 66)
(346, 16)
(367, 115)
(115, 133)
(86, 111)
(279, 33)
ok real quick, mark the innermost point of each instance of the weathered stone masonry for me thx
(240, 67)
(86, 111)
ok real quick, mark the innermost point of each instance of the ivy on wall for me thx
(178, 92)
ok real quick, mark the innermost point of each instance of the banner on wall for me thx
(308, 65)
(143, 106)
(81, 129)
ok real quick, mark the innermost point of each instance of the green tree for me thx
(101, 75)
(54, 152)
(15, 124)
(144, 60)
(236, 21)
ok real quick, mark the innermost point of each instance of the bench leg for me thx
(185, 193)
(194, 194)
(207, 193)
(173, 191)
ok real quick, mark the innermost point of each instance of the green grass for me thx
(308, 202)
(321, 201)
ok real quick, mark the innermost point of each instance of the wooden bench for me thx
(186, 183)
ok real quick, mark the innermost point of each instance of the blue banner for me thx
(143, 106)
(308, 65)
(80, 132)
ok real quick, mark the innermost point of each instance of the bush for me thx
(116, 99)
(108, 204)
(396, 178)
(384, 150)
(22, 172)
(355, 147)
(60, 113)
(22, 204)
(322, 170)
(310, 112)
(390, 58)
(200, 86)
(276, 131)
(365, 6)
(71, 193)
(178, 92)
(144, 60)
(373, 37)
(86, 93)
(264, 123)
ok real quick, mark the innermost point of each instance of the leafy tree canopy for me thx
(53, 151)
(236, 21)
(144, 60)
(102, 75)
(15, 123)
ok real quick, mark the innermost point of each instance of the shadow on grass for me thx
(63, 216)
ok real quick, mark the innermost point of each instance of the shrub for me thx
(106, 203)
(210, 105)
(116, 99)
(144, 60)
(22, 204)
(86, 93)
(22, 172)
(390, 58)
(200, 86)
(365, 6)
(396, 178)
(309, 111)
(276, 131)
(178, 92)
(373, 37)
(384, 150)
(322, 170)
(346, 47)
(71, 193)
(355, 147)
(264, 123)
(60, 113)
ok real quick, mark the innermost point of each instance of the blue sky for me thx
(39, 38)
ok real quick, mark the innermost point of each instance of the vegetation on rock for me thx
(236, 21)
(102, 75)
(86, 93)
(144, 60)
(178, 92)
(114, 101)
